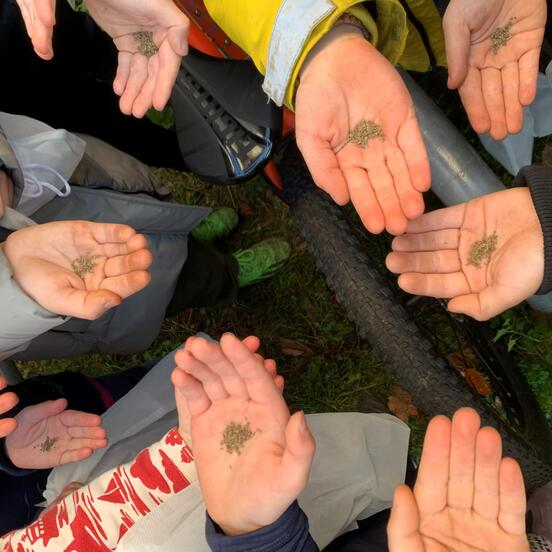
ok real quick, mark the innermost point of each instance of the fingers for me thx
(443, 286)
(441, 219)
(448, 239)
(39, 19)
(433, 475)
(86, 443)
(457, 42)
(78, 455)
(464, 431)
(298, 454)
(138, 74)
(7, 426)
(7, 401)
(46, 409)
(324, 167)
(412, 145)
(488, 458)
(190, 393)
(364, 200)
(403, 529)
(211, 381)
(512, 498)
(82, 419)
(134, 243)
(126, 285)
(123, 72)
(471, 94)
(491, 82)
(87, 432)
(143, 100)
(111, 233)
(168, 65)
(125, 264)
(260, 385)
(512, 104)
(528, 71)
(425, 262)
(211, 354)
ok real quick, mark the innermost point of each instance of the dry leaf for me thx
(290, 347)
(460, 360)
(400, 403)
(478, 382)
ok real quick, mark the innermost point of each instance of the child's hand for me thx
(48, 435)
(78, 268)
(252, 458)
(7, 402)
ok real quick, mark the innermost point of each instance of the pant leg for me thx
(74, 90)
(208, 278)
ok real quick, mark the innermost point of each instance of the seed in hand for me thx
(48, 444)
(146, 45)
(235, 436)
(501, 35)
(482, 250)
(83, 265)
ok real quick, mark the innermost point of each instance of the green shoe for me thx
(217, 226)
(261, 261)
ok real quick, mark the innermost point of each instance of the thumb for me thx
(299, 452)
(457, 44)
(404, 524)
(47, 409)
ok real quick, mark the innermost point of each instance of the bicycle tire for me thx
(435, 387)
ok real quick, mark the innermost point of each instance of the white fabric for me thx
(516, 151)
(294, 23)
(359, 460)
(47, 158)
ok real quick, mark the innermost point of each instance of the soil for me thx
(146, 45)
(482, 250)
(235, 436)
(83, 265)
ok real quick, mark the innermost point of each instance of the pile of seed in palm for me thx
(146, 45)
(235, 436)
(363, 132)
(48, 444)
(83, 265)
(482, 250)
(501, 35)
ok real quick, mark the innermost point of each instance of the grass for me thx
(329, 366)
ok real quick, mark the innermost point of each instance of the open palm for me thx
(433, 257)
(225, 385)
(346, 82)
(495, 80)
(49, 260)
(48, 435)
(467, 497)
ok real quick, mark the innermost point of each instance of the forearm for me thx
(539, 180)
(98, 514)
(290, 533)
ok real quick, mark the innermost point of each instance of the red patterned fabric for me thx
(95, 517)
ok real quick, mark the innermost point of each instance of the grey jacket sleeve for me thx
(21, 319)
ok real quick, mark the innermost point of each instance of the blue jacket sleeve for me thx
(288, 534)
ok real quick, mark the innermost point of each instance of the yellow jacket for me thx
(252, 23)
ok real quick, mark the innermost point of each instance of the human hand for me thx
(146, 73)
(48, 435)
(495, 81)
(246, 485)
(7, 402)
(6, 192)
(343, 83)
(112, 261)
(437, 256)
(467, 497)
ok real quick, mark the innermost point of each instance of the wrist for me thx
(231, 530)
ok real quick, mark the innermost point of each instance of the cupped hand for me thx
(7, 401)
(145, 77)
(6, 192)
(345, 81)
(49, 262)
(467, 498)
(439, 254)
(247, 482)
(48, 435)
(493, 50)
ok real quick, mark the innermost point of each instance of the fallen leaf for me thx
(478, 382)
(400, 403)
(460, 360)
(290, 347)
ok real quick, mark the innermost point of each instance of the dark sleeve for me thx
(288, 534)
(538, 178)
